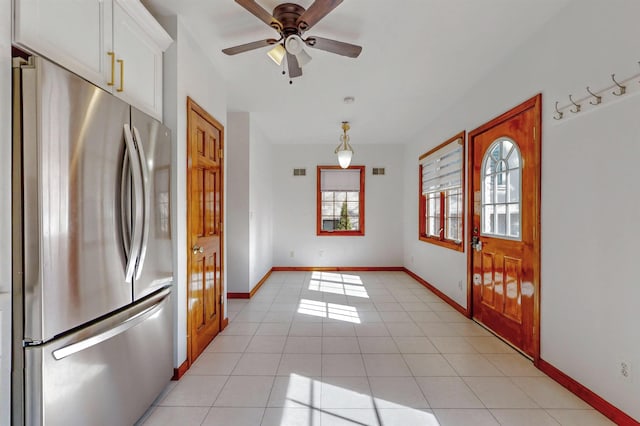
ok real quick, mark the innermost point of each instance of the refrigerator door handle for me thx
(138, 209)
(146, 191)
(125, 205)
(150, 308)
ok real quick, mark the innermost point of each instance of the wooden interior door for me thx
(504, 250)
(204, 223)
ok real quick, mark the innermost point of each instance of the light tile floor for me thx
(360, 348)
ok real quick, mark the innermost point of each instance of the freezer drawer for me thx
(106, 374)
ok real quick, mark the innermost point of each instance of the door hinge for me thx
(222, 299)
(221, 153)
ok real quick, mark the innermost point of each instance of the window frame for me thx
(361, 198)
(441, 240)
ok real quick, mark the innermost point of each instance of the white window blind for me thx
(339, 180)
(442, 169)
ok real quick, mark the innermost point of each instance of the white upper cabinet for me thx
(138, 43)
(115, 44)
(73, 33)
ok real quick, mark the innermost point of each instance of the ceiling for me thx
(418, 58)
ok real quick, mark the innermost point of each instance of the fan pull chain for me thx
(284, 72)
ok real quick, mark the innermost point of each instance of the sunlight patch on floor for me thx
(329, 310)
(330, 282)
(305, 393)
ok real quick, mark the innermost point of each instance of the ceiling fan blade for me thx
(249, 46)
(294, 67)
(318, 10)
(334, 46)
(260, 13)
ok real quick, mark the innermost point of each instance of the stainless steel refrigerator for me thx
(91, 253)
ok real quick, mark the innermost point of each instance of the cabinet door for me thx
(139, 75)
(74, 33)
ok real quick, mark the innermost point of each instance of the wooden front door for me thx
(204, 224)
(504, 201)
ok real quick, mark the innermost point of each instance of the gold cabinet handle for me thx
(113, 68)
(121, 87)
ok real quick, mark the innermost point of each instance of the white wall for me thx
(196, 77)
(249, 208)
(294, 208)
(260, 207)
(590, 206)
(5, 212)
(238, 145)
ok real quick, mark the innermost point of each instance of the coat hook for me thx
(623, 89)
(598, 98)
(577, 106)
(560, 113)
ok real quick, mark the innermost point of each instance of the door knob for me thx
(197, 249)
(476, 243)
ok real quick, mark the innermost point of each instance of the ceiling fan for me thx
(291, 21)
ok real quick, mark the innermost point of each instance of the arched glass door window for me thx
(501, 190)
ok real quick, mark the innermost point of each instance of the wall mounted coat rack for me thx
(593, 100)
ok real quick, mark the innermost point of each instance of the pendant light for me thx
(344, 150)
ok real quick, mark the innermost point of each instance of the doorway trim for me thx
(534, 103)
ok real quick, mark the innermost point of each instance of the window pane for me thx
(514, 220)
(453, 218)
(329, 224)
(355, 223)
(327, 209)
(514, 186)
(353, 209)
(488, 189)
(501, 188)
(514, 159)
(488, 220)
(340, 197)
(433, 204)
(490, 166)
(434, 226)
(506, 148)
(495, 152)
(433, 215)
(501, 211)
(338, 214)
(453, 229)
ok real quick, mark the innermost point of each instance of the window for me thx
(340, 200)
(501, 190)
(441, 206)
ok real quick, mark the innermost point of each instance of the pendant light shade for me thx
(344, 150)
(344, 158)
(277, 54)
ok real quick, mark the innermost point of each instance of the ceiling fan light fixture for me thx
(303, 58)
(294, 44)
(277, 54)
(344, 149)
